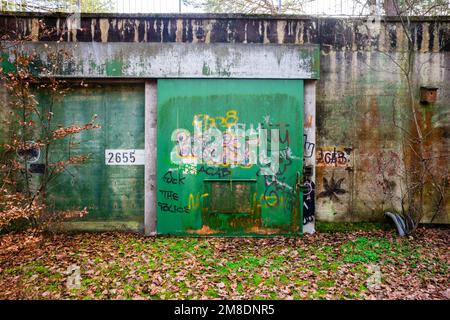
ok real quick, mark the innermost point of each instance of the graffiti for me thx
(169, 195)
(219, 144)
(268, 201)
(206, 122)
(387, 187)
(215, 171)
(334, 157)
(165, 207)
(333, 188)
(189, 169)
(276, 191)
(308, 147)
(387, 163)
(234, 150)
(235, 146)
(308, 202)
(275, 188)
(171, 177)
(387, 166)
(283, 145)
(194, 200)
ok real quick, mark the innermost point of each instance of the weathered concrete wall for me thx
(178, 60)
(361, 90)
(430, 34)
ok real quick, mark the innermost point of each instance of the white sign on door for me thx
(124, 157)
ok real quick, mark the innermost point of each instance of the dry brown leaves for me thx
(320, 266)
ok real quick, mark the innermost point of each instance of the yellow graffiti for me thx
(194, 201)
(231, 165)
(269, 201)
(208, 122)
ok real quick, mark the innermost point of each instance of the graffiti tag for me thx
(173, 178)
(333, 158)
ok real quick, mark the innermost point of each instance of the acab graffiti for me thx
(333, 157)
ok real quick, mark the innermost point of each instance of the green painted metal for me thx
(111, 193)
(211, 180)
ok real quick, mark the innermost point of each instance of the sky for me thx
(325, 7)
(171, 6)
(152, 6)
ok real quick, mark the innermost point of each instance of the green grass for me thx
(366, 250)
(191, 268)
(334, 227)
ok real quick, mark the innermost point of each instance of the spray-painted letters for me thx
(234, 145)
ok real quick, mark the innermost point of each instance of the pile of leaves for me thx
(15, 206)
(351, 265)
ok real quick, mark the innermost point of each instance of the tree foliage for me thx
(422, 172)
(421, 7)
(249, 6)
(357, 7)
(30, 135)
(88, 6)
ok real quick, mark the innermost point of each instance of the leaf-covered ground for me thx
(321, 266)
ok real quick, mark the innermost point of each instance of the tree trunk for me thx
(389, 7)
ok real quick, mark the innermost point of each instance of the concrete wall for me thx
(358, 149)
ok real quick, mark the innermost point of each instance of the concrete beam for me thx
(310, 151)
(180, 60)
(150, 158)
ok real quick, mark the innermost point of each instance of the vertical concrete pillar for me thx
(150, 158)
(309, 133)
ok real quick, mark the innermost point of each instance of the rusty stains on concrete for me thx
(341, 34)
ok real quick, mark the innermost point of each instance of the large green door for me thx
(229, 157)
(113, 194)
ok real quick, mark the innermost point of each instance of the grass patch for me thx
(318, 267)
(333, 227)
(366, 250)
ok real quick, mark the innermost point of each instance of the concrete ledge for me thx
(182, 60)
(98, 226)
(216, 16)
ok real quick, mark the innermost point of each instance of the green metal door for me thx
(113, 194)
(229, 157)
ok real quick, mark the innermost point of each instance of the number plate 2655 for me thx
(124, 157)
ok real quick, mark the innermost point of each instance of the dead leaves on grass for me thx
(320, 266)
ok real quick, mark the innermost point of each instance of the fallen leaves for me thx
(319, 266)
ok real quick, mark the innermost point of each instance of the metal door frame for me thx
(150, 211)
